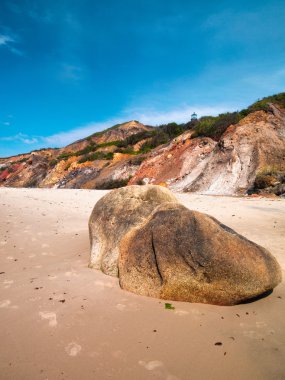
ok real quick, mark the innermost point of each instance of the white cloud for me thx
(20, 137)
(4, 39)
(145, 116)
(178, 115)
(30, 141)
(65, 138)
(9, 41)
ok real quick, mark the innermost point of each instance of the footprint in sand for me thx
(8, 283)
(120, 307)
(181, 312)
(73, 349)
(72, 273)
(151, 365)
(259, 325)
(104, 284)
(119, 355)
(159, 366)
(52, 277)
(44, 245)
(252, 334)
(50, 316)
(5, 303)
(99, 283)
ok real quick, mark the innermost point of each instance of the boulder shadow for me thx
(257, 298)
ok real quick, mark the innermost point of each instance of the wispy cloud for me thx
(244, 25)
(45, 13)
(35, 11)
(65, 138)
(20, 137)
(9, 42)
(70, 72)
(46, 16)
(179, 115)
(145, 116)
(273, 81)
(4, 40)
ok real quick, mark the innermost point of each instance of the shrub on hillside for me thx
(215, 126)
(270, 180)
(172, 129)
(112, 184)
(65, 156)
(3, 168)
(110, 143)
(52, 163)
(263, 181)
(96, 156)
(22, 160)
(263, 104)
(137, 160)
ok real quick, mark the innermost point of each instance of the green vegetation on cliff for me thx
(206, 126)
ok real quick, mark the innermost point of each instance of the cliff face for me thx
(175, 164)
(63, 168)
(27, 170)
(228, 166)
(255, 143)
(117, 133)
(233, 164)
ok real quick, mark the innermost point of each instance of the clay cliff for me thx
(231, 154)
(229, 166)
(118, 132)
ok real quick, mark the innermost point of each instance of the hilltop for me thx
(233, 153)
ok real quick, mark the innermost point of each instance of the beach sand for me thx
(61, 320)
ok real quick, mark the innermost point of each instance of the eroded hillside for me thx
(234, 153)
(255, 145)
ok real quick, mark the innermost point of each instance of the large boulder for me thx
(114, 215)
(184, 255)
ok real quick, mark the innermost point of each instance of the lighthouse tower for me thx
(194, 116)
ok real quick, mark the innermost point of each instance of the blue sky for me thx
(69, 68)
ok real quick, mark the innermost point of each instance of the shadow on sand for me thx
(257, 298)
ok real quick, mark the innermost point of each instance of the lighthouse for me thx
(194, 116)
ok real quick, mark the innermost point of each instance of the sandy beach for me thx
(61, 320)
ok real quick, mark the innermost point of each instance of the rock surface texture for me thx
(161, 249)
(114, 215)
